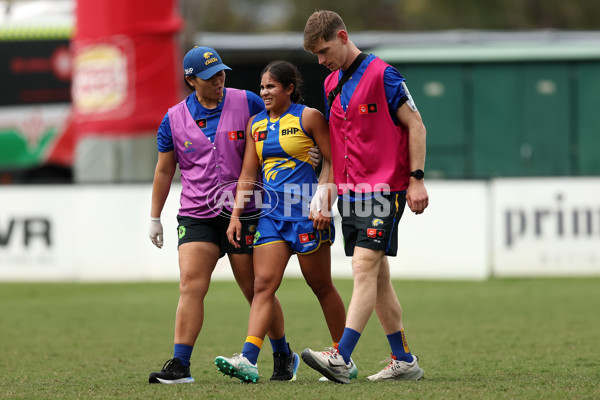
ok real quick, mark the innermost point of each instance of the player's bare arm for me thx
(163, 175)
(245, 186)
(416, 195)
(316, 125)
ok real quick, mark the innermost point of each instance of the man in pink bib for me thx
(378, 157)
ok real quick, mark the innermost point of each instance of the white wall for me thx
(96, 233)
(546, 227)
(438, 244)
(471, 230)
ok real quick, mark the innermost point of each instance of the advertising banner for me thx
(83, 233)
(115, 78)
(546, 227)
(34, 70)
(125, 66)
(35, 77)
(100, 233)
(31, 135)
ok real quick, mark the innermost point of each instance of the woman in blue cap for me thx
(204, 134)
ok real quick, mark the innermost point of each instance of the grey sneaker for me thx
(238, 366)
(330, 364)
(398, 371)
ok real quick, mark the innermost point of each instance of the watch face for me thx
(418, 174)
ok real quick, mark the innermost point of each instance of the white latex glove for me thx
(317, 200)
(315, 155)
(156, 232)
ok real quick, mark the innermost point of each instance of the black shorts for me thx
(214, 230)
(372, 223)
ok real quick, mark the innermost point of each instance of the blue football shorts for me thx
(300, 235)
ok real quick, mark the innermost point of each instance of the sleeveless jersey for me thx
(289, 178)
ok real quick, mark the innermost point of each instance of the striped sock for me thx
(184, 353)
(348, 343)
(280, 346)
(399, 346)
(251, 348)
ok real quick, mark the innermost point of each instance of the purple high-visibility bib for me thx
(209, 171)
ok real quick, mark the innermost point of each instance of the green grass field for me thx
(498, 339)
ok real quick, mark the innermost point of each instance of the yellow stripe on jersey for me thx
(281, 144)
(292, 138)
(282, 147)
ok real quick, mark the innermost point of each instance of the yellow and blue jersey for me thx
(289, 178)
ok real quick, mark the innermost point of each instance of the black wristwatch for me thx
(418, 174)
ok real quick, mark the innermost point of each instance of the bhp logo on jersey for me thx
(260, 136)
(289, 131)
(307, 237)
(236, 135)
(367, 108)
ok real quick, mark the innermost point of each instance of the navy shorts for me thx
(214, 230)
(301, 236)
(372, 223)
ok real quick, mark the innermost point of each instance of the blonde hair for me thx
(322, 24)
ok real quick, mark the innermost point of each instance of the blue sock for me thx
(399, 346)
(184, 353)
(348, 343)
(280, 346)
(250, 351)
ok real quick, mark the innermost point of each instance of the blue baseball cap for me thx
(203, 62)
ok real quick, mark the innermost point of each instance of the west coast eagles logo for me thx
(376, 222)
(187, 145)
(210, 58)
(278, 164)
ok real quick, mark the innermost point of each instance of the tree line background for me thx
(393, 15)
